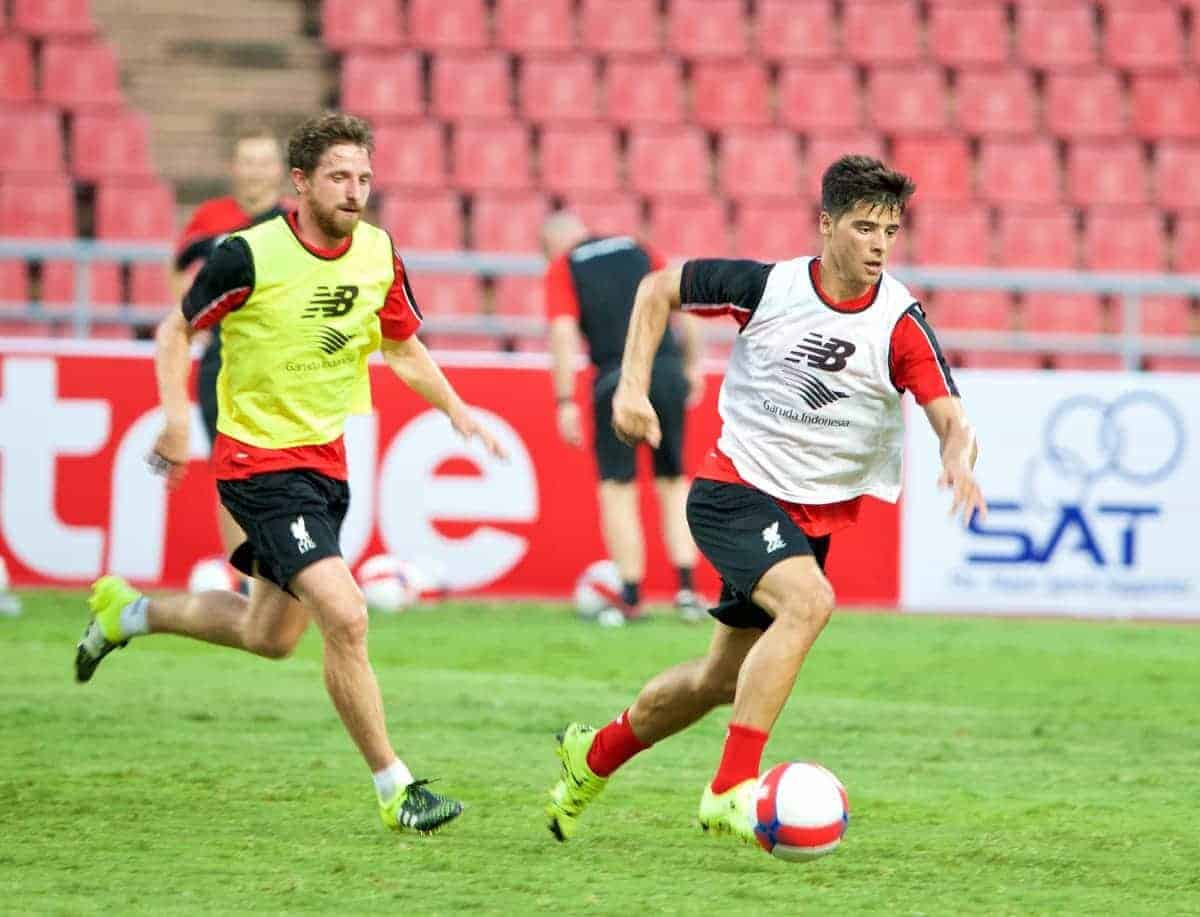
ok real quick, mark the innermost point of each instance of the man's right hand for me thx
(633, 418)
(170, 454)
(569, 427)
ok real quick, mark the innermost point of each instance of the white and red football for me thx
(801, 811)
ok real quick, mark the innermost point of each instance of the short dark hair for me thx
(310, 140)
(856, 180)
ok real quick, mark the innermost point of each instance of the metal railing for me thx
(1127, 288)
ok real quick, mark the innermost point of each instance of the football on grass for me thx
(801, 811)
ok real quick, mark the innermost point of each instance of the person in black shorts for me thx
(256, 172)
(590, 284)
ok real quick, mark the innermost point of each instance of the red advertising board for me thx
(76, 421)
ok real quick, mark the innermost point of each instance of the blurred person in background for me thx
(256, 172)
(590, 285)
(304, 299)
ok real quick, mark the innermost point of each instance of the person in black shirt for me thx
(590, 285)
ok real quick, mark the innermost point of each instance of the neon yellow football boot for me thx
(731, 812)
(577, 785)
(110, 594)
(417, 808)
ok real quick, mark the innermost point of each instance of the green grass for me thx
(993, 767)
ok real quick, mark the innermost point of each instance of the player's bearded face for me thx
(861, 239)
(338, 188)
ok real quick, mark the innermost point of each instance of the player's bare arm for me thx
(959, 449)
(691, 336)
(634, 419)
(172, 365)
(413, 365)
(564, 349)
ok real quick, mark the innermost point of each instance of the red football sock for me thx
(741, 758)
(613, 746)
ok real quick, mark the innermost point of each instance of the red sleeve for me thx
(561, 298)
(399, 318)
(916, 360)
(657, 261)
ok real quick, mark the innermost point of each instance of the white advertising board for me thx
(1093, 484)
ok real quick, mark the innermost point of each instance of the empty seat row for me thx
(50, 18)
(109, 284)
(43, 207)
(871, 32)
(103, 144)
(75, 74)
(896, 100)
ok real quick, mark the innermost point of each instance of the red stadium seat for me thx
(1079, 313)
(409, 155)
(690, 228)
(149, 285)
(707, 28)
(1124, 239)
(556, 89)
(14, 282)
(447, 294)
(1019, 171)
(969, 34)
(971, 310)
(1149, 38)
(463, 343)
(144, 211)
(951, 236)
(491, 156)
(80, 74)
(508, 222)
(378, 85)
(759, 163)
(1168, 315)
(1177, 176)
(467, 86)
(824, 150)
(1186, 248)
(1165, 106)
(32, 140)
(350, 24)
(1056, 37)
(730, 94)
(907, 100)
(644, 91)
(941, 166)
(998, 359)
(1091, 362)
(581, 158)
(17, 328)
(446, 24)
(520, 296)
(820, 98)
(878, 32)
(430, 221)
(37, 207)
(665, 160)
(1044, 237)
(1172, 364)
(534, 25)
(1106, 172)
(609, 214)
(110, 145)
(1084, 105)
(16, 69)
(53, 18)
(995, 102)
(774, 231)
(795, 31)
(105, 284)
(620, 26)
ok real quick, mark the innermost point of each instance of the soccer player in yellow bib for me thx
(303, 299)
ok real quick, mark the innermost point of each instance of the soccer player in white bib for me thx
(811, 423)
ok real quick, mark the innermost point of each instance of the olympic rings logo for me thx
(1139, 438)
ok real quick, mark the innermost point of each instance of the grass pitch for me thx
(993, 767)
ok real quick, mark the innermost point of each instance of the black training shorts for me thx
(744, 533)
(291, 519)
(668, 395)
